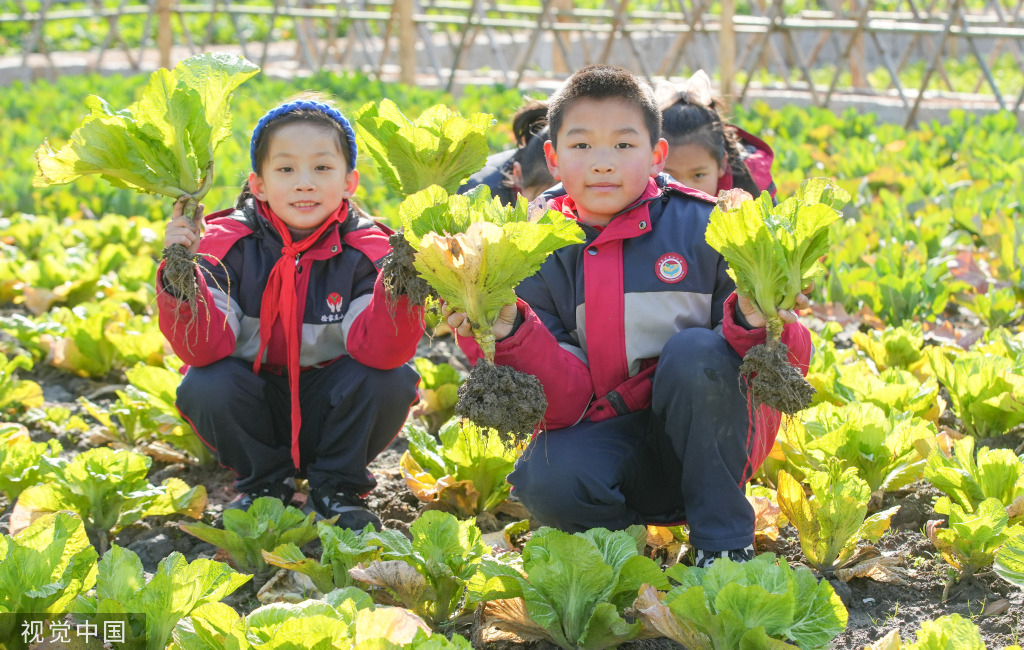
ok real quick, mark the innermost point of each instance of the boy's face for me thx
(304, 177)
(604, 157)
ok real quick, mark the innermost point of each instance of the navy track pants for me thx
(350, 413)
(687, 457)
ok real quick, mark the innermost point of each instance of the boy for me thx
(637, 336)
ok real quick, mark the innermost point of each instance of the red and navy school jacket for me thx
(596, 316)
(345, 307)
(758, 159)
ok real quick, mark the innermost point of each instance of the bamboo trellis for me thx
(830, 48)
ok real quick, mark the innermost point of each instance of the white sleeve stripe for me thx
(355, 307)
(227, 306)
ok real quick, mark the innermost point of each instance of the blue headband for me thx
(330, 111)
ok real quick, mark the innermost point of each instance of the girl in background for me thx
(705, 152)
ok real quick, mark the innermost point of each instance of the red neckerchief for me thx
(280, 302)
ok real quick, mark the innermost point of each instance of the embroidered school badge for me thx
(334, 302)
(670, 267)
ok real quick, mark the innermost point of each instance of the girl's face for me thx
(694, 166)
(304, 177)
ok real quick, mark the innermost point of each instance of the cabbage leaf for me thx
(474, 251)
(161, 144)
(440, 147)
(773, 251)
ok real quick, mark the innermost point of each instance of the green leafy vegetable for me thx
(773, 254)
(21, 459)
(950, 631)
(970, 541)
(343, 549)
(968, 479)
(832, 521)
(429, 573)
(345, 618)
(987, 391)
(267, 524)
(43, 569)
(474, 251)
(730, 605)
(17, 394)
(1009, 561)
(175, 590)
(862, 436)
(440, 147)
(438, 392)
(161, 144)
(576, 587)
(465, 473)
(109, 489)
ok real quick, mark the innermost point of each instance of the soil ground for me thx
(874, 608)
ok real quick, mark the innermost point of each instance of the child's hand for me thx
(459, 321)
(756, 320)
(180, 231)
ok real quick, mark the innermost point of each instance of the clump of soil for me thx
(773, 381)
(399, 274)
(504, 399)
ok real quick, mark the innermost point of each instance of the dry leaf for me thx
(288, 587)
(513, 509)
(658, 617)
(996, 607)
(766, 517)
(395, 576)
(505, 619)
(879, 569)
(1015, 509)
(395, 624)
(659, 536)
(163, 452)
(22, 517)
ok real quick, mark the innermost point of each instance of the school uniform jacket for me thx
(345, 307)
(596, 316)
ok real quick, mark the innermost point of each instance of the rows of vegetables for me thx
(918, 372)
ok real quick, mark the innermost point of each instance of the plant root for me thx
(773, 381)
(179, 277)
(504, 399)
(399, 275)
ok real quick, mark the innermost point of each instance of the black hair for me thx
(687, 123)
(533, 162)
(530, 118)
(599, 81)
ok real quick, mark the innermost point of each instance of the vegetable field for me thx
(890, 512)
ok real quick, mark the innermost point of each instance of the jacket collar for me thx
(626, 222)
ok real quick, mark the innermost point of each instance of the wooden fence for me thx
(904, 52)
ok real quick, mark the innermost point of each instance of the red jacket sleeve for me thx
(532, 349)
(385, 336)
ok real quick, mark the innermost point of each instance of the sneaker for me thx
(705, 559)
(283, 490)
(350, 509)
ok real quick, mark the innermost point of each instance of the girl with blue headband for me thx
(300, 369)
